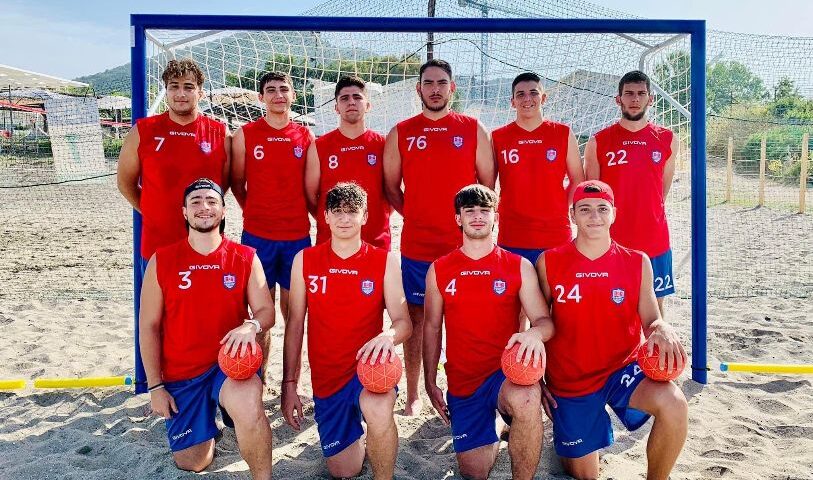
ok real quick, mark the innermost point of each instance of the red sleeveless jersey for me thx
(275, 168)
(481, 309)
(532, 167)
(358, 160)
(345, 310)
(632, 164)
(595, 311)
(172, 156)
(438, 159)
(204, 298)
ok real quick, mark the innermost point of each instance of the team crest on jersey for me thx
(617, 295)
(206, 147)
(372, 159)
(551, 155)
(457, 141)
(367, 287)
(656, 156)
(298, 151)
(499, 287)
(229, 281)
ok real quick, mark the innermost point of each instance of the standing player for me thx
(267, 175)
(602, 301)
(343, 285)
(434, 154)
(195, 297)
(163, 153)
(637, 159)
(350, 153)
(478, 291)
(534, 156)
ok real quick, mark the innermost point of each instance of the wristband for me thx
(155, 387)
(256, 323)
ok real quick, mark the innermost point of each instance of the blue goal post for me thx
(695, 29)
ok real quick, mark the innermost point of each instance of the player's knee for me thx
(243, 400)
(581, 470)
(523, 401)
(377, 408)
(343, 470)
(673, 407)
(193, 463)
(474, 470)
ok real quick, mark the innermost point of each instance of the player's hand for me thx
(671, 355)
(240, 340)
(292, 406)
(548, 402)
(381, 344)
(531, 347)
(436, 396)
(162, 403)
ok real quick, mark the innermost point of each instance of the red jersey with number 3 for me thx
(359, 160)
(205, 296)
(437, 159)
(275, 169)
(632, 164)
(594, 304)
(481, 308)
(172, 156)
(532, 168)
(345, 310)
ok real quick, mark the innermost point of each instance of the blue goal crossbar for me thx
(695, 28)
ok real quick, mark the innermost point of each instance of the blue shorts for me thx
(413, 274)
(663, 279)
(581, 425)
(532, 254)
(197, 400)
(473, 417)
(277, 257)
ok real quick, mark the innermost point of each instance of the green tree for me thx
(732, 83)
(789, 104)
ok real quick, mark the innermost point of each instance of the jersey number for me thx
(663, 283)
(572, 295)
(259, 153)
(186, 282)
(313, 285)
(418, 142)
(333, 161)
(622, 154)
(160, 142)
(450, 288)
(510, 156)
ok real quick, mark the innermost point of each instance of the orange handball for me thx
(240, 368)
(381, 377)
(649, 364)
(519, 373)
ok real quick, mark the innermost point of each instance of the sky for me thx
(60, 38)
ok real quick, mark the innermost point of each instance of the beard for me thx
(633, 118)
(205, 228)
(478, 234)
(439, 108)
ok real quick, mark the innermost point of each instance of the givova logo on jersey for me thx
(499, 287)
(229, 281)
(617, 296)
(367, 287)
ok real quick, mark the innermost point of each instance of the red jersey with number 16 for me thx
(594, 304)
(205, 296)
(632, 164)
(481, 309)
(437, 159)
(345, 310)
(359, 160)
(275, 169)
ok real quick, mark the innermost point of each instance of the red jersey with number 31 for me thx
(481, 308)
(632, 164)
(345, 310)
(275, 169)
(359, 160)
(205, 296)
(594, 304)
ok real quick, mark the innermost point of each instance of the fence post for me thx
(762, 160)
(803, 172)
(729, 174)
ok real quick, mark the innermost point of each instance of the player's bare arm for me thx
(227, 164)
(484, 162)
(432, 330)
(129, 169)
(382, 347)
(244, 337)
(536, 308)
(656, 329)
(575, 166)
(591, 166)
(292, 349)
(548, 402)
(313, 176)
(237, 171)
(393, 175)
(669, 167)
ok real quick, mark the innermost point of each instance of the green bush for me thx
(783, 144)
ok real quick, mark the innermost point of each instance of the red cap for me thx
(593, 189)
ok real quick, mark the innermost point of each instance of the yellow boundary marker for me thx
(766, 368)
(15, 384)
(83, 382)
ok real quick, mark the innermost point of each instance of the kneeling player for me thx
(343, 285)
(479, 289)
(602, 301)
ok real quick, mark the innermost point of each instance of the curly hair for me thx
(346, 196)
(180, 68)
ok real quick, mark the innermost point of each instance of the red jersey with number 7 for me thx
(594, 305)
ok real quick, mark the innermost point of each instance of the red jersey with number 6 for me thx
(205, 296)
(481, 308)
(438, 158)
(594, 304)
(632, 164)
(345, 310)
(359, 160)
(172, 156)
(275, 169)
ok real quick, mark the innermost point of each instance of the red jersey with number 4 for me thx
(532, 167)
(595, 312)
(359, 160)
(632, 164)
(481, 309)
(275, 169)
(172, 156)
(437, 159)
(345, 310)
(205, 296)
